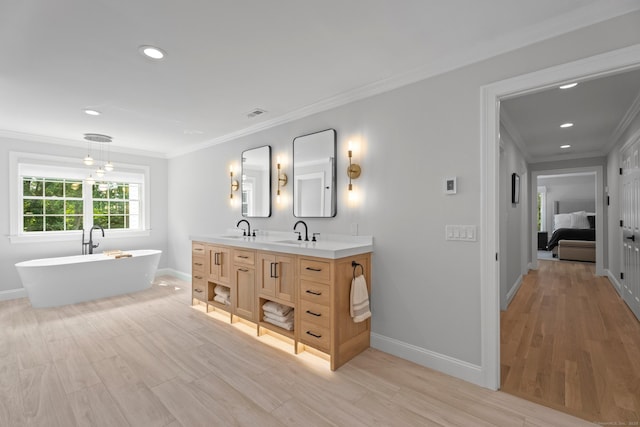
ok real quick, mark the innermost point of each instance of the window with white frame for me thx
(51, 197)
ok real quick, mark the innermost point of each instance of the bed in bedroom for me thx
(574, 232)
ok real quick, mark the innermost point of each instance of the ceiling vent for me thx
(97, 137)
(255, 112)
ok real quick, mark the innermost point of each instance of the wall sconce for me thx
(354, 170)
(282, 180)
(233, 183)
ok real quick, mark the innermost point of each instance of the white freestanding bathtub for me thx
(51, 282)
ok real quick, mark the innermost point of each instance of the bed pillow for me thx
(579, 220)
(561, 221)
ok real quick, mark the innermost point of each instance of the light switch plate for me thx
(461, 233)
(451, 185)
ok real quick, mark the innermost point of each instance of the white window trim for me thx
(543, 209)
(15, 202)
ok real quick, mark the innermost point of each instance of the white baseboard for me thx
(440, 362)
(175, 273)
(614, 280)
(13, 294)
(514, 290)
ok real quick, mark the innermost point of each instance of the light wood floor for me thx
(150, 359)
(568, 341)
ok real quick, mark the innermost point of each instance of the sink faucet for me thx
(246, 232)
(90, 244)
(306, 230)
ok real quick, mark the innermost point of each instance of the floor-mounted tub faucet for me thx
(90, 244)
(306, 230)
(246, 232)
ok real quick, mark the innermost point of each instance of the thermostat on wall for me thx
(450, 185)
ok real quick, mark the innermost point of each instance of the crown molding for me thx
(562, 24)
(22, 136)
(569, 156)
(625, 122)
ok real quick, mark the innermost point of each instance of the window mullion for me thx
(87, 205)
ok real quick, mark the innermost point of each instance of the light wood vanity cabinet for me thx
(276, 274)
(243, 289)
(318, 289)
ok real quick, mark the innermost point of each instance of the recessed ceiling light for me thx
(152, 52)
(92, 112)
(569, 85)
(566, 125)
(565, 146)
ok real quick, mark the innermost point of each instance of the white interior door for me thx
(631, 228)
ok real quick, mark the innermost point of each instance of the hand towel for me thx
(359, 306)
(273, 316)
(275, 308)
(284, 325)
(221, 299)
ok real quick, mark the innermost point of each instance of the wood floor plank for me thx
(150, 359)
(575, 341)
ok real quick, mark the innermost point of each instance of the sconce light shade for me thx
(282, 181)
(353, 170)
(233, 183)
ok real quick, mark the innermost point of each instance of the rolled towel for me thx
(275, 308)
(273, 316)
(284, 325)
(359, 307)
(221, 299)
(222, 290)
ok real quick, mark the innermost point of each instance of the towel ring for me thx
(355, 266)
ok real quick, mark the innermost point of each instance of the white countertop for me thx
(332, 246)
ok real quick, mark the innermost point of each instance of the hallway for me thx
(568, 341)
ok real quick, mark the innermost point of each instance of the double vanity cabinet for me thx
(314, 279)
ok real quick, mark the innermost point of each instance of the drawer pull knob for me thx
(243, 270)
(314, 314)
(313, 292)
(243, 256)
(198, 249)
(198, 291)
(198, 277)
(198, 263)
(314, 269)
(313, 335)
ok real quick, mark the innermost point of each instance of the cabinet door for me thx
(285, 269)
(224, 267)
(243, 299)
(266, 280)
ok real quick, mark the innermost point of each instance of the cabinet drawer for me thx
(315, 336)
(197, 249)
(315, 313)
(318, 293)
(315, 270)
(199, 290)
(197, 265)
(244, 257)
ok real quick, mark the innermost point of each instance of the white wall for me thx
(567, 188)
(513, 221)
(11, 253)
(426, 291)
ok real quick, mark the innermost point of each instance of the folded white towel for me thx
(284, 325)
(222, 299)
(359, 306)
(275, 308)
(273, 316)
(222, 290)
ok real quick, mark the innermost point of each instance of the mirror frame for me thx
(334, 192)
(242, 183)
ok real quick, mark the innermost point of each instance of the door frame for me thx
(490, 95)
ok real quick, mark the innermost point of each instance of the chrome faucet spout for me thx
(246, 232)
(306, 230)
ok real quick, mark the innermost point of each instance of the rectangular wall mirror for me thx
(256, 182)
(314, 175)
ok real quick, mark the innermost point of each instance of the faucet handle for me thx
(254, 232)
(299, 233)
(313, 238)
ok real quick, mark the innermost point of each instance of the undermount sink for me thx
(290, 242)
(232, 237)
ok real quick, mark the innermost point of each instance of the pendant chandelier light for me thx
(103, 166)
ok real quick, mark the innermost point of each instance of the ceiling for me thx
(225, 58)
(598, 108)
